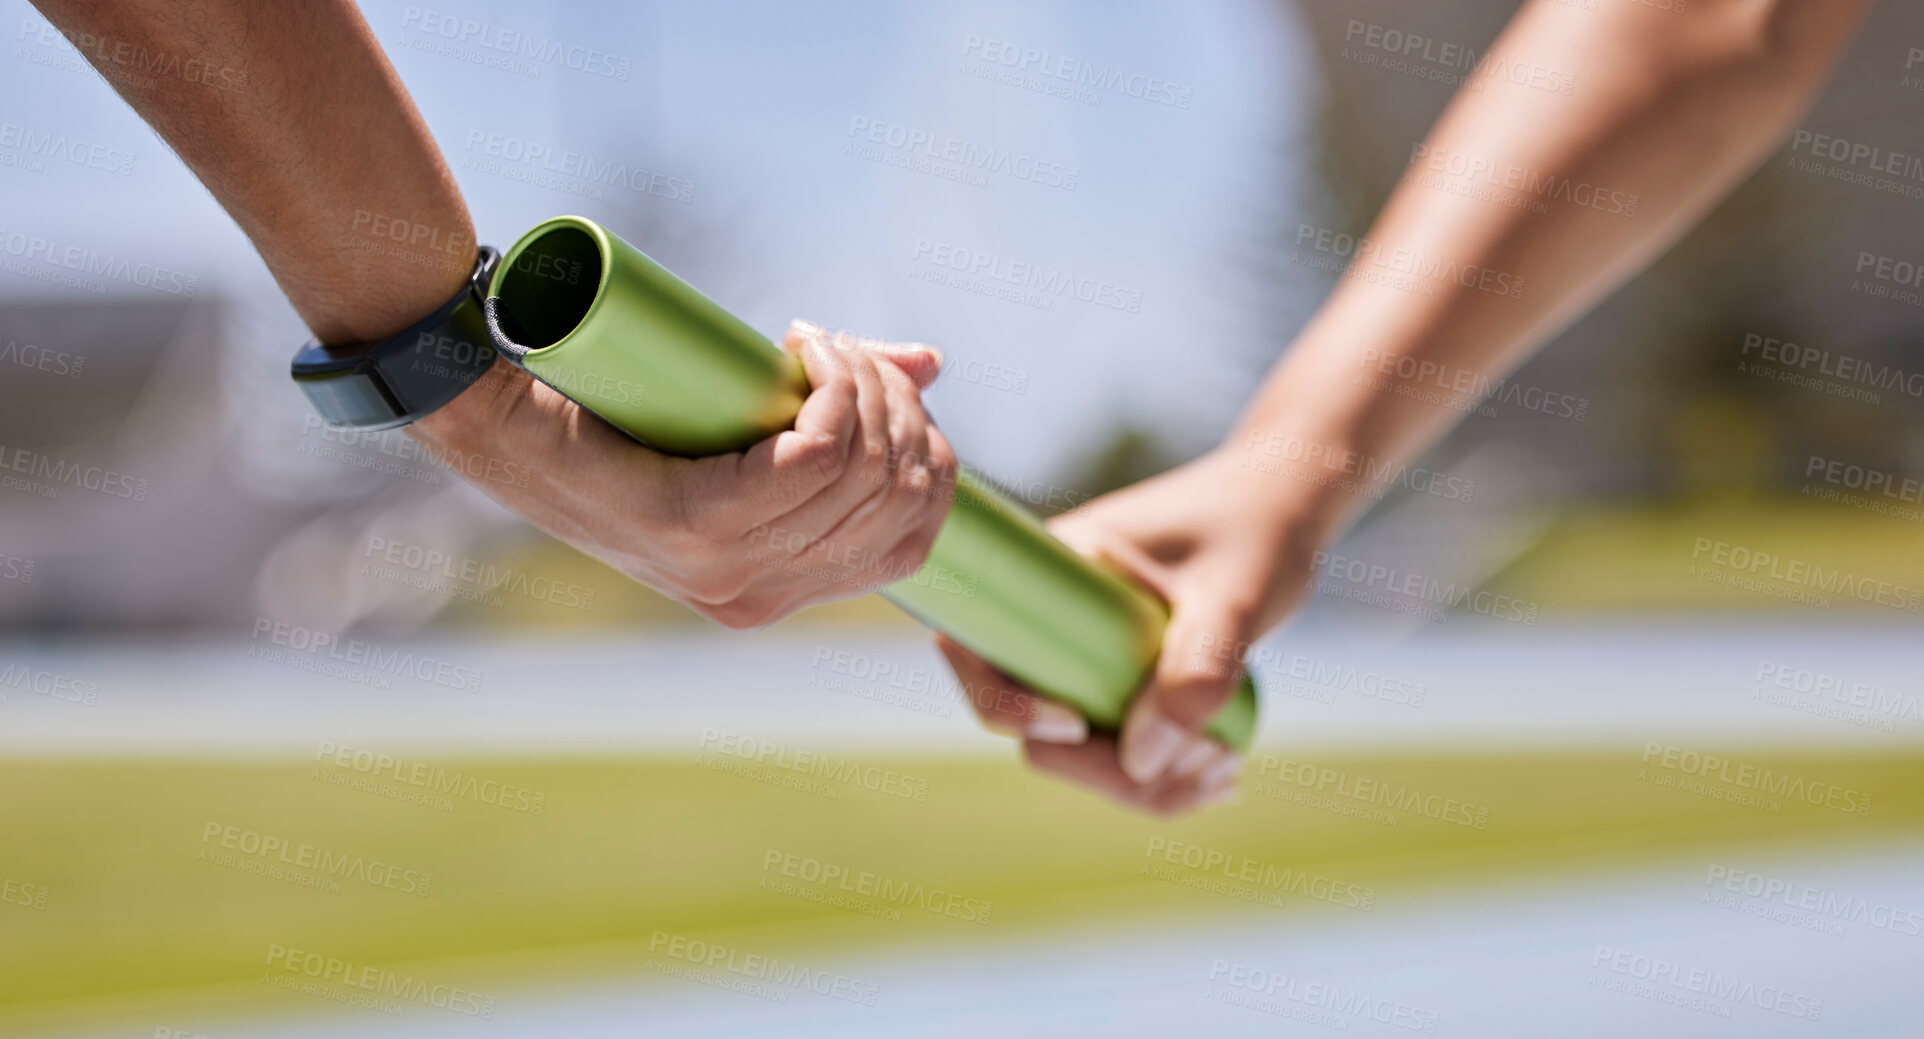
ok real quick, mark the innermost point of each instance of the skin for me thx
(1672, 106)
(1675, 107)
(305, 135)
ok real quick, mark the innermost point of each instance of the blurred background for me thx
(241, 741)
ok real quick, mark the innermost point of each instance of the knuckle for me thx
(1193, 702)
(703, 532)
(829, 465)
(836, 369)
(871, 579)
(739, 616)
(1047, 759)
(1244, 599)
(823, 456)
(717, 588)
(909, 556)
(893, 377)
(917, 479)
(941, 459)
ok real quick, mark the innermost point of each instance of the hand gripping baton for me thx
(591, 316)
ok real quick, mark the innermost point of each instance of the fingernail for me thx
(1003, 727)
(817, 350)
(808, 329)
(933, 351)
(1222, 773)
(1153, 744)
(1055, 723)
(1199, 753)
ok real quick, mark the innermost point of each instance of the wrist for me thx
(401, 378)
(370, 275)
(1327, 436)
(1266, 528)
(1303, 486)
(474, 420)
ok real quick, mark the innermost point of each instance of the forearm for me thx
(1526, 207)
(311, 144)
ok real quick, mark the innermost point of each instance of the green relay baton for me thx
(591, 316)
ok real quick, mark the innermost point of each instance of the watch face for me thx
(440, 363)
(351, 399)
(390, 382)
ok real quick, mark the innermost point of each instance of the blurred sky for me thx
(753, 102)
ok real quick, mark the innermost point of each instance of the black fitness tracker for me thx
(394, 381)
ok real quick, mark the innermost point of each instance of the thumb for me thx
(1194, 677)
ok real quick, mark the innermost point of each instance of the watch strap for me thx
(391, 382)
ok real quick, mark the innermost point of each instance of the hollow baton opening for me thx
(549, 282)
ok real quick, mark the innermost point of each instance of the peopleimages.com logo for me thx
(35, 145)
(539, 164)
(43, 474)
(486, 36)
(91, 263)
(1696, 988)
(1800, 575)
(40, 358)
(21, 893)
(1068, 72)
(50, 684)
(770, 975)
(368, 663)
(1021, 281)
(951, 157)
(253, 851)
(431, 778)
(1710, 768)
(377, 981)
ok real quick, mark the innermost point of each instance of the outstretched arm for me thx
(293, 118)
(306, 136)
(1523, 208)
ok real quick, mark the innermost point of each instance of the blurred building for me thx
(247, 507)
